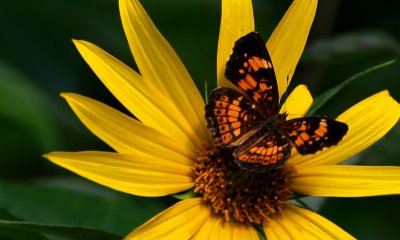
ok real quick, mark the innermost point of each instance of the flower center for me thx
(238, 194)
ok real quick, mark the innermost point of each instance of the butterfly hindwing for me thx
(230, 116)
(250, 69)
(263, 150)
(312, 134)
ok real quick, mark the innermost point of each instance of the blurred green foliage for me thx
(66, 202)
(38, 61)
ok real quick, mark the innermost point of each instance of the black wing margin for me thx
(311, 134)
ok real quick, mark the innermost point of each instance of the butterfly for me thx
(249, 119)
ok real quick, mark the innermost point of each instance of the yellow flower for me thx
(170, 149)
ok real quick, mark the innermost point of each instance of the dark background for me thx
(38, 61)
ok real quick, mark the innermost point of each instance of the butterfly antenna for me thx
(286, 92)
(284, 96)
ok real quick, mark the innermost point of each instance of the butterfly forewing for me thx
(312, 134)
(230, 116)
(250, 69)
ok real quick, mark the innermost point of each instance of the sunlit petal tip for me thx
(367, 121)
(161, 68)
(81, 45)
(181, 221)
(127, 173)
(125, 134)
(298, 102)
(69, 96)
(347, 181)
(66, 95)
(236, 21)
(84, 46)
(287, 42)
(300, 223)
(131, 90)
(76, 41)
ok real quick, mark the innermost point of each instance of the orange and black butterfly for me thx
(250, 120)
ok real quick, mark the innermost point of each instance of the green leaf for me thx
(185, 195)
(351, 46)
(78, 202)
(27, 106)
(68, 232)
(260, 231)
(26, 123)
(324, 97)
(9, 232)
(4, 214)
(365, 217)
(310, 202)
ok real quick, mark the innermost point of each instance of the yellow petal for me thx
(160, 67)
(126, 135)
(287, 42)
(140, 175)
(347, 181)
(236, 21)
(150, 107)
(368, 121)
(208, 229)
(281, 228)
(181, 221)
(217, 228)
(299, 223)
(298, 102)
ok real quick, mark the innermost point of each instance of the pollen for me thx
(237, 194)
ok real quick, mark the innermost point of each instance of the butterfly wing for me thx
(263, 150)
(250, 69)
(312, 134)
(230, 116)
